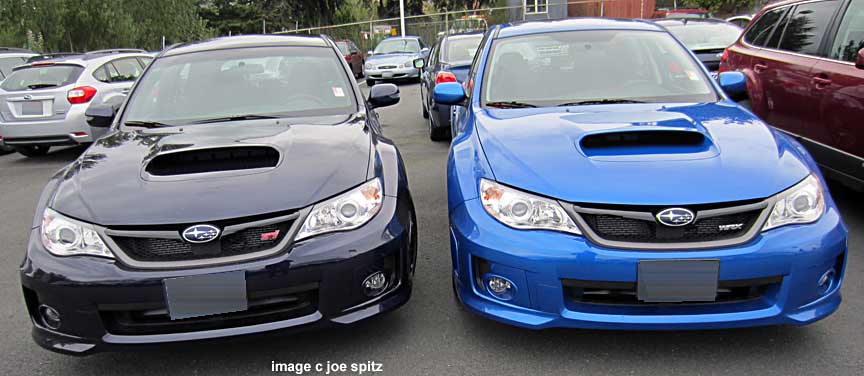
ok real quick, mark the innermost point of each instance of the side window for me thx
(850, 36)
(774, 41)
(805, 29)
(145, 61)
(101, 74)
(433, 55)
(758, 34)
(128, 69)
(475, 65)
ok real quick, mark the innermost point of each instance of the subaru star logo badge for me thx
(28, 97)
(675, 217)
(200, 233)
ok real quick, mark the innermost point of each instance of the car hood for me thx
(394, 59)
(546, 151)
(108, 184)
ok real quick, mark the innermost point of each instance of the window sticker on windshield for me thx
(692, 75)
(337, 91)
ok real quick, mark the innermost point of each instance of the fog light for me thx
(50, 316)
(500, 287)
(826, 281)
(374, 284)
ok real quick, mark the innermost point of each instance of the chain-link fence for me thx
(367, 34)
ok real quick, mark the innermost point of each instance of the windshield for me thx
(41, 77)
(398, 46)
(242, 82)
(461, 50)
(343, 48)
(706, 36)
(604, 65)
(7, 63)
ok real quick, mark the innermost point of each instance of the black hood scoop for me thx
(212, 160)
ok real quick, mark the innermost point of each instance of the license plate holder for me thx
(204, 295)
(677, 281)
(31, 108)
(387, 74)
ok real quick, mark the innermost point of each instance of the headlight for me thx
(368, 65)
(67, 237)
(347, 211)
(803, 203)
(524, 211)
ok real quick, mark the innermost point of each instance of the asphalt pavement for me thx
(432, 335)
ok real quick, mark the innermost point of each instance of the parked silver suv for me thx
(42, 103)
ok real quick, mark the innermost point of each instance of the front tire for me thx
(32, 151)
(436, 133)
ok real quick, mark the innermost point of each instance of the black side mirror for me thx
(859, 60)
(100, 116)
(383, 95)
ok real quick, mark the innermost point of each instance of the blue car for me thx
(599, 178)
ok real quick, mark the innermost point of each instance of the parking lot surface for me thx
(432, 335)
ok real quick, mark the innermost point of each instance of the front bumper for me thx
(543, 263)
(71, 130)
(392, 74)
(101, 303)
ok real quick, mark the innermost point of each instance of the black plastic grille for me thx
(615, 228)
(264, 307)
(239, 243)
(624, 293)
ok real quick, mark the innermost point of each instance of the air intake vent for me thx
(644, 142)
(213, 160)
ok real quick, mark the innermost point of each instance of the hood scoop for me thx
(647, 144)
(212, 160)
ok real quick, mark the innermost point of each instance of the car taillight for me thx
(443, 77)
(348, 58)
(81, 94)
(723, 66)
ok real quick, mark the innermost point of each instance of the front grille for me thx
(617, 228)
(263, 307)
(624, 293)
(386, 67)
(245, 241)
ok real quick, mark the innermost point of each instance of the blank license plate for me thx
(673, 281)
(31, 108)
(203, 295)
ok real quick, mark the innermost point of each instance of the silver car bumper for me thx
(69, 131)
(392, 74)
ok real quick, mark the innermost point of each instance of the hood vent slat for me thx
(644, 142)
(213, 160)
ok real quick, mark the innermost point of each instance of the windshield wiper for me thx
(146, 124)
(599, 101)
(234, 118)
(40, 86)
(510, 104)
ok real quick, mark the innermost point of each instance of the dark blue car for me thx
(448, 61)
(599, 178)
(243, 187)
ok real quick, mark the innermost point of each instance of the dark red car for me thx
(355, 58)
(804, 62)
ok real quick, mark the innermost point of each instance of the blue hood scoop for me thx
(655, 143)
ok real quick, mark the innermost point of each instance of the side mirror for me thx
(369, 53)
(449, 93)
(383, 95)
(419, 63)
(734, 84)
(859, 60)
(100, 116)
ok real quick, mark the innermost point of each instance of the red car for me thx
(804, 62)
(355, 58)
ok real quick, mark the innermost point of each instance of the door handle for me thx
(759, 67)
(820, 82)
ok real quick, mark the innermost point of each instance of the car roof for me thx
(463, 35)
(405, 37)
(575, 24)
(783, 3)
(84, 59)
(245, 41)
(687, 21)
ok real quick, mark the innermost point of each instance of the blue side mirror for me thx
(449, 93)
(734, 84)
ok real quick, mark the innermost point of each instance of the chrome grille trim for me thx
(765, 206)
